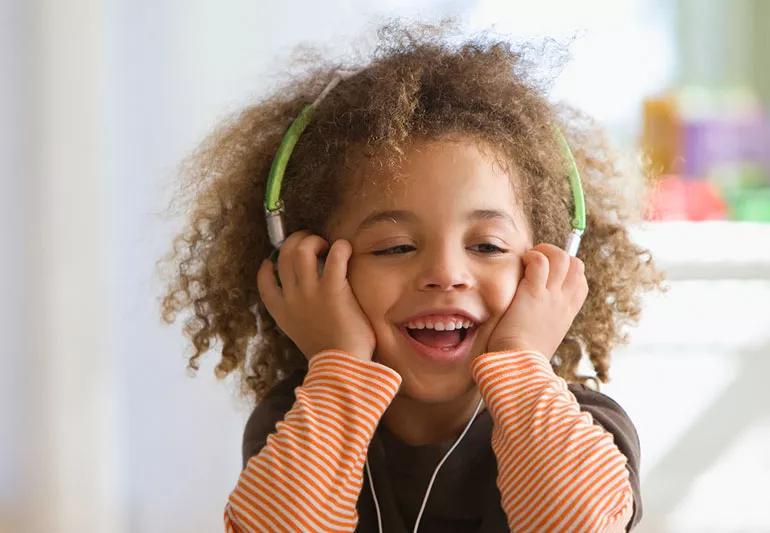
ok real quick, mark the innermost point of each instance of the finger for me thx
(336, 268)
(535, 267)
(576, 271)
(286, 260)
(576, 281)
(306, 259)
(558, 265)
(269, 291)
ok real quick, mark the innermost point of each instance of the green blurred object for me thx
(748, 203)
(745, 186)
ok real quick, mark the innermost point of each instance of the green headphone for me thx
(274, 207)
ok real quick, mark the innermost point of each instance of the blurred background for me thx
(102, 429)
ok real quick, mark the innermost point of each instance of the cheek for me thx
(499, 289)
(373, 292)
(499, 296)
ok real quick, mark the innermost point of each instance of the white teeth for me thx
(439, 326)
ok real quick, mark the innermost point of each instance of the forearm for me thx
(557, 470)
(309, 473)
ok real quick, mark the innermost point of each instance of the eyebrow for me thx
(408, 217)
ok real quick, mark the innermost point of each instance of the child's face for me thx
(442, 258)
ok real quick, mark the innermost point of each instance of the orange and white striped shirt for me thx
(557, 470)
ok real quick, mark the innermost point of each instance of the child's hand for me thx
(547, 299)
(316, 312)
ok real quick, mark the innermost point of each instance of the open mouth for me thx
(442, 346)
(437, 338)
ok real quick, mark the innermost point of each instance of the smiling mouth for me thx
(444, 337)
(443, 347)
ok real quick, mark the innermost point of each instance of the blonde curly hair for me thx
(415, 84)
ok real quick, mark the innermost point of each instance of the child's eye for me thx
(496, 249)
(391, 251)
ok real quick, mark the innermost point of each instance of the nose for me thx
(445, 269)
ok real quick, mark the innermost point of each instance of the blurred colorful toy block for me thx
(708, 155)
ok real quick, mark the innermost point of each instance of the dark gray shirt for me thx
(464, 497)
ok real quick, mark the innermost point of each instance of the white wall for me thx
(15, 275)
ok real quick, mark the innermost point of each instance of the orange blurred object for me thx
(661, 134)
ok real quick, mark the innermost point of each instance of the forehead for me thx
(439, 181)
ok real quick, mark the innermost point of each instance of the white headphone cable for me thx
(432, 479)
(374, 495)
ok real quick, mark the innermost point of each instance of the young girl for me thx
(424, 377)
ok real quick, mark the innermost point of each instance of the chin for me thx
(436, 393)
(430, 386)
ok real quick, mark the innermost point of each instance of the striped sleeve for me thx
(557, 470)
(308, 475)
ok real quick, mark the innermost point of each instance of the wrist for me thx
(337, 353)
(363, 352)
(515, 347)
(508, 345)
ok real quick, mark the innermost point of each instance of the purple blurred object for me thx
(711, 142)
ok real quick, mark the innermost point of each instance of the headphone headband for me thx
(274, 206)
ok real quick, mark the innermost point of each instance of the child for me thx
(425, 376)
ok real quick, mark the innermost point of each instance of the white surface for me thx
(709, 250)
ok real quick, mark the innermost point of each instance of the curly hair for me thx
(415, 84)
